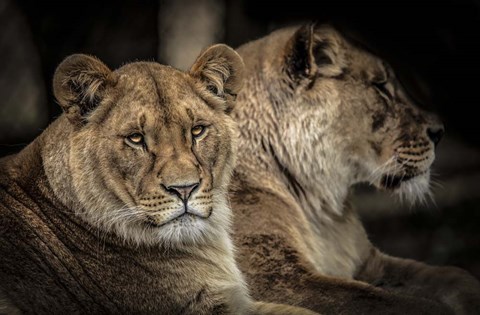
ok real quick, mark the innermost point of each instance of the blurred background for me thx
(433, 45)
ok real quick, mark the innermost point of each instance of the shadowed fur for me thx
(318, 115)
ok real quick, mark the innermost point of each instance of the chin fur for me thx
(415, 190)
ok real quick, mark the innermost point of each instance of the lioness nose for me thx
(435, 133)
(183, 192)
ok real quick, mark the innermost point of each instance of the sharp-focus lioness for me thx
(318, 115)
(120, 205)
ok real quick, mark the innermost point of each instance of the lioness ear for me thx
(314, 51)
(79, 85)
(220, 70)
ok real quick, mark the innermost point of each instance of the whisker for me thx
(380, 170)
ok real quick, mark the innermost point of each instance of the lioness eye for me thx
(212, 89)
(382, 88)
(136, 139)
(197, 131)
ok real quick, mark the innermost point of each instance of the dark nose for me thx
(183, 191)
(435, 133)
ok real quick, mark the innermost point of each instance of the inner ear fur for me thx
(79, 84)
(315, 50)
(220, 70)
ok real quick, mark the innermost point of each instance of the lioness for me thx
(318, 115)
(120, 205)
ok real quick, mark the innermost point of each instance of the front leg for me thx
(452, 286)
(274, 272)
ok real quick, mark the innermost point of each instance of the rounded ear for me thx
(79, 85)
(314, 50)
(220, 69)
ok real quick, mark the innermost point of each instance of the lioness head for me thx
(151, 148)
(339, 114)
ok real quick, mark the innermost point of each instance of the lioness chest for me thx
(331, 247)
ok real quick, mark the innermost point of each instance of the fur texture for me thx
(120, 206)
(318, 115)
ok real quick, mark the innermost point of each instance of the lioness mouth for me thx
(152, 223)
(394, 181)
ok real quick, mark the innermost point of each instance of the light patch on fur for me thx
(416, 190)
(305, 138)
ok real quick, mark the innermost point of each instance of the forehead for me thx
(156, 89)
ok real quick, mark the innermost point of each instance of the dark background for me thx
(433, 45)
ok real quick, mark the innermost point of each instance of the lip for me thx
(150, 222)
(394, 181)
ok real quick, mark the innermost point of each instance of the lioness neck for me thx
(322, 209)
(316, 187)
(318, 183)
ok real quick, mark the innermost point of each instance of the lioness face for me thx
(353, 120)
(393, 139)
(152, 161)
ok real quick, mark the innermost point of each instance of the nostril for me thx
(182, 191)
(435, 134)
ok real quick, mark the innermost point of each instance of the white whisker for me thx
(380, 171)
(416, 190)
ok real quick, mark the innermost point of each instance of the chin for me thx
(186, 230)
(183, 231)
(411, 189)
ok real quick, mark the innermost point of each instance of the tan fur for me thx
(93, 220)
(318, 115)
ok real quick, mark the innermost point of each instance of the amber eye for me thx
(136, 139)
(197, 131)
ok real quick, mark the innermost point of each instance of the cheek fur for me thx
(207, 149)
(126, 163)
(213, 153)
